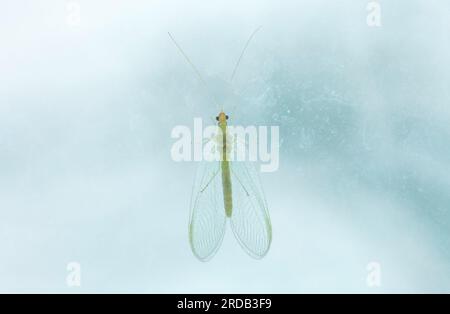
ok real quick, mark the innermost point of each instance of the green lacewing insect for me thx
(227, 190)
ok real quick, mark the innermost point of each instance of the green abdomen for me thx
(226, 184)
(226, 177)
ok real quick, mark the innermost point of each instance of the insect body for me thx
(227, 190)
(225, 166)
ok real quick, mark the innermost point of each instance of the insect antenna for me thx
(197, 72)
(242, 53)
(239, 61)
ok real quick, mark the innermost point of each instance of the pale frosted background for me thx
(86, 113)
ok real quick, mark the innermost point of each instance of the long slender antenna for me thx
(194, 68)
(242, 53)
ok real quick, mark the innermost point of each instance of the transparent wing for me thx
(207, 219)
(250, 219)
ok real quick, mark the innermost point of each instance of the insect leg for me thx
(209, 181)
(238, 180)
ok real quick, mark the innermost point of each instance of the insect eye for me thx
(226, 117)
(217, 118)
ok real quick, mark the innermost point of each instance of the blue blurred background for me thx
(90, 91)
